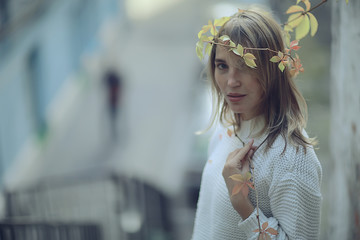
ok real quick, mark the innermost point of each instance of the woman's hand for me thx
(238, 163)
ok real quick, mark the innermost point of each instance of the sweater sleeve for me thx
(295, 201)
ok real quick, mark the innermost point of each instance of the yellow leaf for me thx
(313, 23)
(250, 63)
(199, 50)
(239, 50)
(205, 38)
(208, 49)
(221, 21)
(347, 1)
(237, 177)
(288, 28)
(200, 33)
(207, 27)
(294, 8)
(286, 36)
(249, 56)
(229, 132)
(249, 60)
(213, 30)
(303, 29)
(247, 176)
(204, 29)
(307, 4)
(295, 19)
(209, 39)
(225, 38)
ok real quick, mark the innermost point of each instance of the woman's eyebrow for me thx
(219, 60)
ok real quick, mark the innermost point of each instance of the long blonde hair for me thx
(282, 105)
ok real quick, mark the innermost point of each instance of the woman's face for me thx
(240, 88)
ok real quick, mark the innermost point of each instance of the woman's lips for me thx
(235, 97)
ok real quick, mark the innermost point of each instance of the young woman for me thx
(262, 119)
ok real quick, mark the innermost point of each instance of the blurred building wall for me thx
(344, 186)
(41, 47)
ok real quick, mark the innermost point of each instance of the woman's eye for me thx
(221, 66)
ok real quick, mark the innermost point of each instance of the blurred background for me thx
(100, 100)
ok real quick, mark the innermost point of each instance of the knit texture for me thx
(288, 185)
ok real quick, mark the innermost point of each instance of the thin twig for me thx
(249, 48)
(256, 192)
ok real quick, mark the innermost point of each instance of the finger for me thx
(233, 153)
(245, 167)
(243, 151)
(247, 157)
(251, 153)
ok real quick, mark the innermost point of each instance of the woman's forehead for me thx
(223, 53)
(226, 55)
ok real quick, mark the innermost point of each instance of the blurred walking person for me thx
(113, 83)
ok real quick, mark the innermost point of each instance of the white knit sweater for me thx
(288, 185)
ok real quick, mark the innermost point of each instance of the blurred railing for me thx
(10, 230)
(61, 207)
(122, 208)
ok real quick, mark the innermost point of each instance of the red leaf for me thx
(272, 231)
(237, 188)
(265, 225)
(294, 45)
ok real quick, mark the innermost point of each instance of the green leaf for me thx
(281, 66)
(303, 29)
(280, 54)
(313, 23)
(275, 59)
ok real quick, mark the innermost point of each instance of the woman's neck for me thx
(253, 127)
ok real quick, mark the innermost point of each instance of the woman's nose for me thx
(233, 79)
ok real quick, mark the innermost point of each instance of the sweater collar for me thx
(252, 128)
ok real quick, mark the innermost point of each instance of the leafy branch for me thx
(262, 229)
